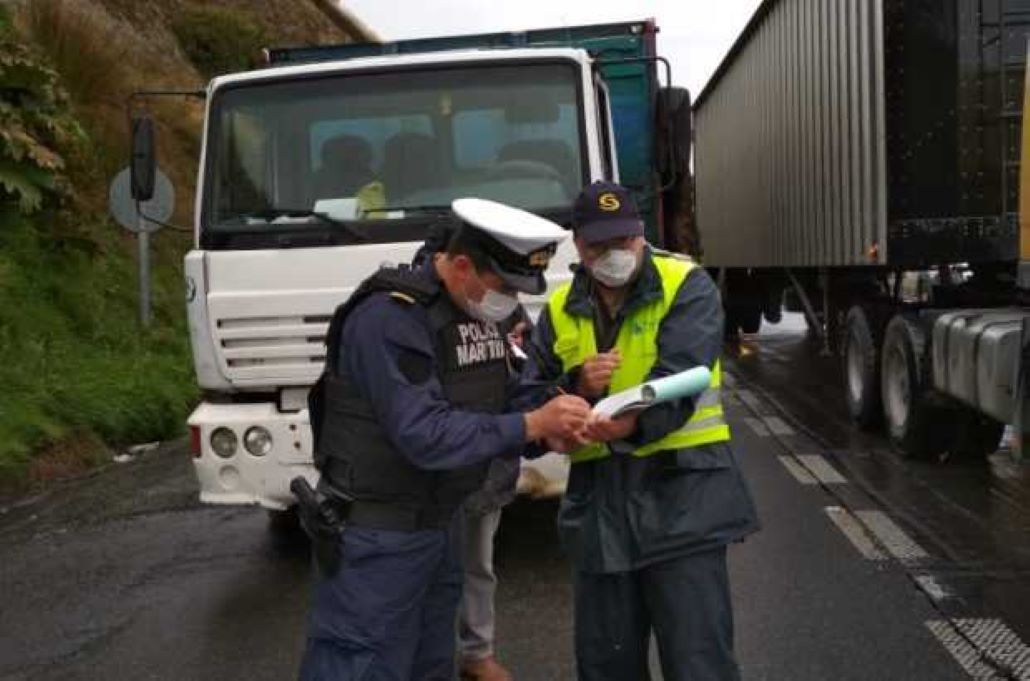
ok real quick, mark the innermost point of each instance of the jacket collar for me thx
(646, 289)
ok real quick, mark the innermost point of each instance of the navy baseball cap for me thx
(604, 211)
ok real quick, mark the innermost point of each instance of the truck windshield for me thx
(373, 157)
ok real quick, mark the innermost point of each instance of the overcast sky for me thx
(694, 34)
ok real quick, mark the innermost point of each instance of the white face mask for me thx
(615, 268)
(494, 307)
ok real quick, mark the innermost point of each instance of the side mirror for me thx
(143, 166)
(675, 133)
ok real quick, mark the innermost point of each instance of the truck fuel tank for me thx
(976, 354)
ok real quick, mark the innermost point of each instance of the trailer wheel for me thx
(908, 415)
(861, 369)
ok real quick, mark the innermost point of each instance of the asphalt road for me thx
(868, 566)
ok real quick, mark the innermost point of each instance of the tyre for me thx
(861, 362)
(908, 415)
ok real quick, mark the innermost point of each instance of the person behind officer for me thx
(412, 407)
(652, 504)
(482, 518)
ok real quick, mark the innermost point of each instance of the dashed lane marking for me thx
(968, 657)
(985, 647)
(931, 587)
(821, 469)
(855, 533)
(777, 425)
(797, 470)
(899, 544)
(749, 398)
(757, 425)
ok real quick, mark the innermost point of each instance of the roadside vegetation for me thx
(80, 376)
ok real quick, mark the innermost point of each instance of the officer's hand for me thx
(604, 429)
(517, 335)
(596, 373)
(563, 417)
(564, 445)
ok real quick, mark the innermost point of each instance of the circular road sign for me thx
(123, 206)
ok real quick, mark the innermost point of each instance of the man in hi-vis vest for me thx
(654, 500)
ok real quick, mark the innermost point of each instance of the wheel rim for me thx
(899, 390)
(856, 384)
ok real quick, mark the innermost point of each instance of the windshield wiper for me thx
(429, 208)
(240, 223)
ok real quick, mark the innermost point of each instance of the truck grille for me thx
(273, 342)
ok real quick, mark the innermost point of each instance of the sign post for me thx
(142, 218)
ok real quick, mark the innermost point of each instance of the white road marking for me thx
(999, 643)
(899, 544)
(932, 588)
(964, 653)
(757, 425)
(855, 533)
(777, 425)
(821, 469)
(797, 470)
(972, 640)
(749, 398)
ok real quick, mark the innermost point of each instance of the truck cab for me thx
(332, 161)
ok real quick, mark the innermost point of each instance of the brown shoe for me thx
(485, 669)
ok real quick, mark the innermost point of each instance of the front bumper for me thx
(244, 478)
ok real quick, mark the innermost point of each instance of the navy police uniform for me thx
(415, 402)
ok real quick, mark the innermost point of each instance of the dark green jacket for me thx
(621, 512)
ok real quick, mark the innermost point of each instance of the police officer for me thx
(652, 504)
(412, 407)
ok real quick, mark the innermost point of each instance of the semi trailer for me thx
(863, 161)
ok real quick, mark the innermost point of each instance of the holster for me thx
(322, 521)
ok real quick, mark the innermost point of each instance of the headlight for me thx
(258, 441)
(223, 441)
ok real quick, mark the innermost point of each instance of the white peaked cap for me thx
(519, 230)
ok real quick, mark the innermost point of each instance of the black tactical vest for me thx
(351, 447)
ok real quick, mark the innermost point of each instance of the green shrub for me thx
(73, 359)
(33, 125)
(218, 39)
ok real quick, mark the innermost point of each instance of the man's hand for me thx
(604, 429)
(564, 445)
(596, 373)
(564, 417)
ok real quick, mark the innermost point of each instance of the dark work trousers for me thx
(684, 601)
(388, 614)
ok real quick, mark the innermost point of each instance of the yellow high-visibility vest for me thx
(637, 343)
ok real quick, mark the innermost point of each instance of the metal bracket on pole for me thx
(810, 315)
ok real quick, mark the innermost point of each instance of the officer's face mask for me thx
(616, 267)
(494, 306)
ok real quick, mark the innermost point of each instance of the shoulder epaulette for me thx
(400, 295)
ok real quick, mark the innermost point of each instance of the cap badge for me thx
(539, 258)
(608, 202)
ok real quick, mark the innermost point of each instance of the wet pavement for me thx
(868, 566)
